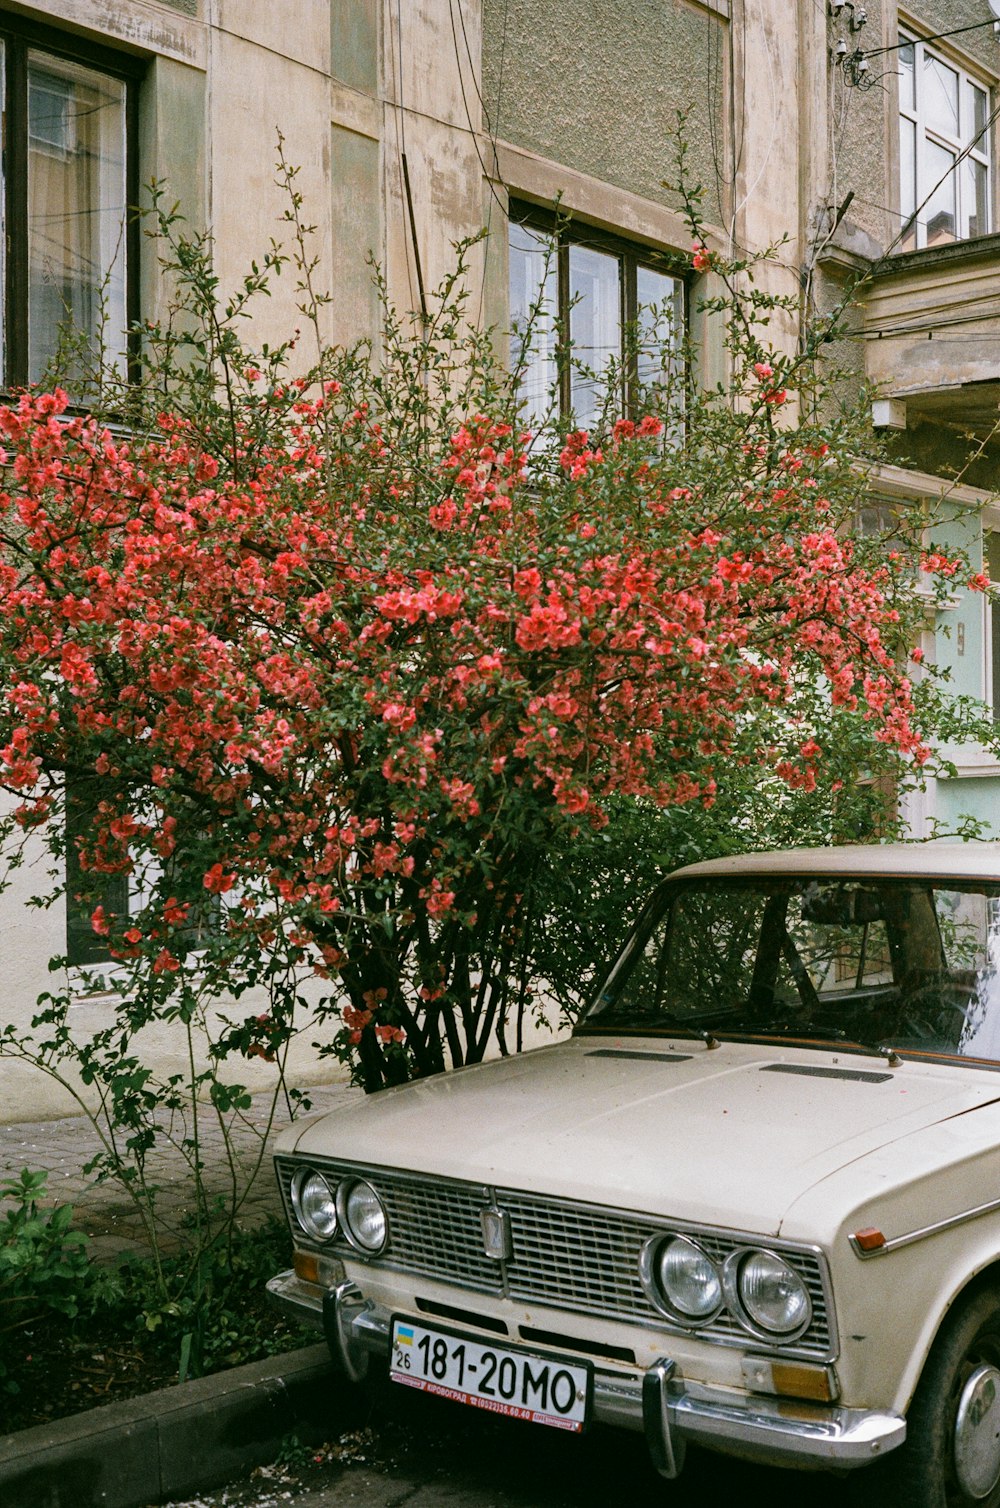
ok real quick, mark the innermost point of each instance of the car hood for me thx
(732, 1135)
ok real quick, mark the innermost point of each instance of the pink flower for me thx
(390, 1033)
(439, 901)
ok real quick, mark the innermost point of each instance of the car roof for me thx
(959, 861)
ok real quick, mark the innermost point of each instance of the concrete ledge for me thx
(172, 1443)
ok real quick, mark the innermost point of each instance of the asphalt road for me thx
(422, 1452)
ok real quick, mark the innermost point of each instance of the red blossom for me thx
(383, 684)
(217, 881)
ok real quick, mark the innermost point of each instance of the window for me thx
(70, 244)
(86, 889)
(581, 292)
(943, 113)
(122, 895)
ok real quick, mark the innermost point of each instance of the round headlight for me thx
(364, 1216)
(682, 1280)
(314, 1204)
(773, 1295)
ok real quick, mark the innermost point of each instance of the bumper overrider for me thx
(669, 1409)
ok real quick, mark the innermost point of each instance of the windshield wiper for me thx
(824, 1032)
(732, 1024)
(659, 1022)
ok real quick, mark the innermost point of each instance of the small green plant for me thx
(44, 1265)
(207, 1325)
(123, 1339)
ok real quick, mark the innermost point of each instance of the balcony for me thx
(931, 324)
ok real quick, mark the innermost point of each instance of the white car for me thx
(753, 1202)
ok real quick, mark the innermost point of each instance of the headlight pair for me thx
(763, 1291)
(323, 1207)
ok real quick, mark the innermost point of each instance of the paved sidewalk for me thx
(105, 1211)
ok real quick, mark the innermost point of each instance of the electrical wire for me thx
(875, 52)
(396, 61)
(492, 125)
(465, 105)
(493, 142)
(915, 327)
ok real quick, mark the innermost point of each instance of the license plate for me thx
(500, 1379)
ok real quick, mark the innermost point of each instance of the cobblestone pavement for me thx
(106, 1213)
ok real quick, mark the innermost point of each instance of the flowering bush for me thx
(338, 669)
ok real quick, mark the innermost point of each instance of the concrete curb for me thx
(176, 1442)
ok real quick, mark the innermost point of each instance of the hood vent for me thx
(641, 1057)
(859, 1076)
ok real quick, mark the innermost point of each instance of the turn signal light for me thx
(327, 1272)
(789, 1380)
(869, 1239)
(306, 1266)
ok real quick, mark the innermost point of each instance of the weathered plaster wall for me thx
(283, 73)
(430, 90)
(354, 43)
(597, 84)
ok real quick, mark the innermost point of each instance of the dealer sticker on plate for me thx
(519, 1384)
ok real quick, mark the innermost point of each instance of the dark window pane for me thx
(86, 890)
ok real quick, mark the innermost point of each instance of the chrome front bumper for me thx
(668, 1408)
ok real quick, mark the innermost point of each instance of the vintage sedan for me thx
(753, 1202)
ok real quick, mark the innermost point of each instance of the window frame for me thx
(17, 37)
(916, 115)
(566, 231)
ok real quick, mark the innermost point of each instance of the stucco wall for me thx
(863, 129)
(935, 16)
(597, 84)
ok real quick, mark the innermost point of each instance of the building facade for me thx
(864, 139)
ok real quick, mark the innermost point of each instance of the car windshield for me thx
(903, 963)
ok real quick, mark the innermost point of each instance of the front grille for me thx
(434, 1224)
(569, 1256)
(582, 1257)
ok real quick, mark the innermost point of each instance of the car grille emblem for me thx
(496, 1234)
